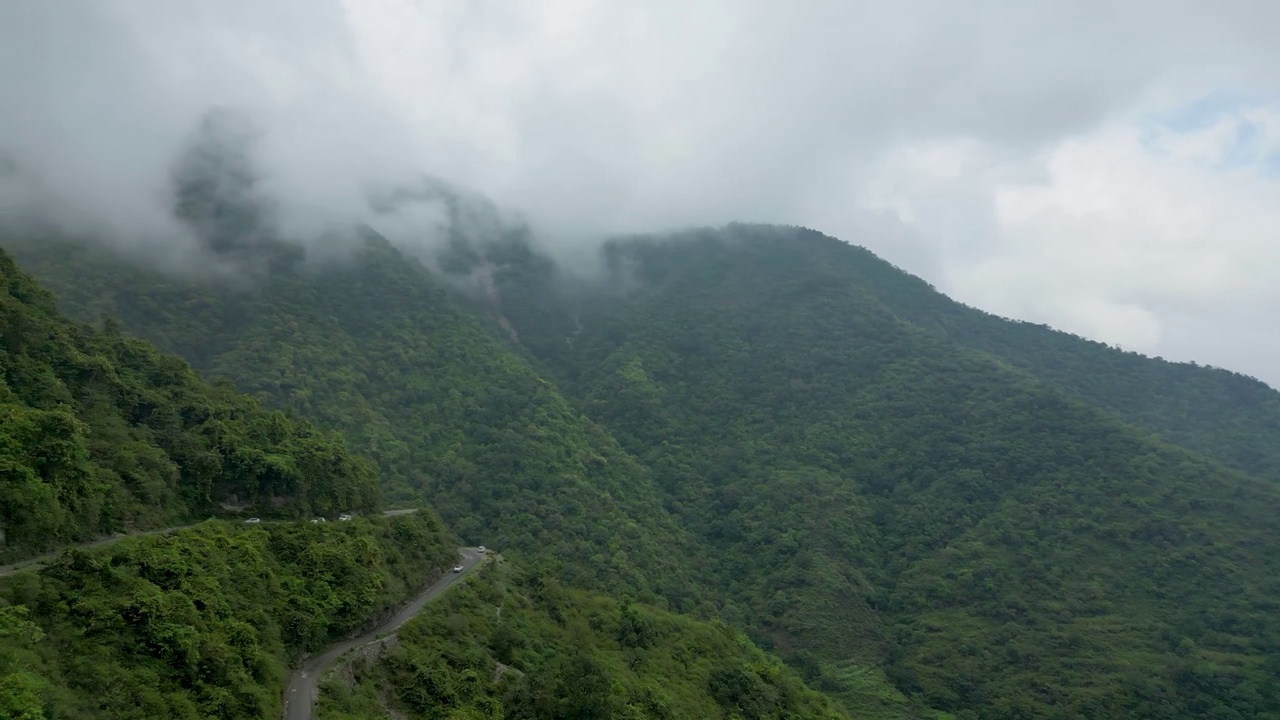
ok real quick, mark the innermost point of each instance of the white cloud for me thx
(1004, 150)
(1149, 238)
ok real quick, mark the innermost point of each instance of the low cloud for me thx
(1011, 153)
(1157, 238)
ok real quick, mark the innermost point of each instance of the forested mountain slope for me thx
(516, 645)
(852, 470)
(100, 433)
(376, 347)
(773, 440)
(1223, 415)
(205, 622)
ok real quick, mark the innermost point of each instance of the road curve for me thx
(32, 562)
(300, 693)
(41, 559)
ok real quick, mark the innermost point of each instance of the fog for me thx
(1076, 163)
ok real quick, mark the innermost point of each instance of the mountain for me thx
(868, 475)
(916, 505)
(987, 514)
(1220, 414)
(102, 434)
(376, 346)
(1223, 415)
(206, 620)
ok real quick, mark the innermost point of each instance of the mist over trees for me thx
(216, 193)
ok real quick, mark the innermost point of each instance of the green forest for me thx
(103, 434)
(1001, 534)
(203, 623)
(921, 509)
(417, 382)
(516, 644)
(206, 620)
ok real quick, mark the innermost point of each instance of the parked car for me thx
(481, 549)
(457, 568)
(344, 517)
(253, 521)
(317, 520)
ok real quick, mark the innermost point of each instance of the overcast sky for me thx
(1112, 169)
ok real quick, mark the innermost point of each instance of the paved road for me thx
(300, 693)
(32, 562)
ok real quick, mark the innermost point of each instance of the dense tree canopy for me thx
(517, 645)
(376, 347)
(100, 433)
(202, 623)
(877, 492)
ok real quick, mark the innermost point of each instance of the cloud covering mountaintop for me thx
(1108, 169)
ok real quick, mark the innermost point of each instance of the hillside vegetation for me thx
(516, 645)
(919, 507)
(205, 622)
(1221, 414)
(376, 347)
(876, 493)
(202, 623)
(100, 433)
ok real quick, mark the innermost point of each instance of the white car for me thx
(481, 549)
(317, 520)
(253, 521)
(344, 517)
(457, 568)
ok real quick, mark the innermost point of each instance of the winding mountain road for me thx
(12, 568)
(300, 693)
(39, 560)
